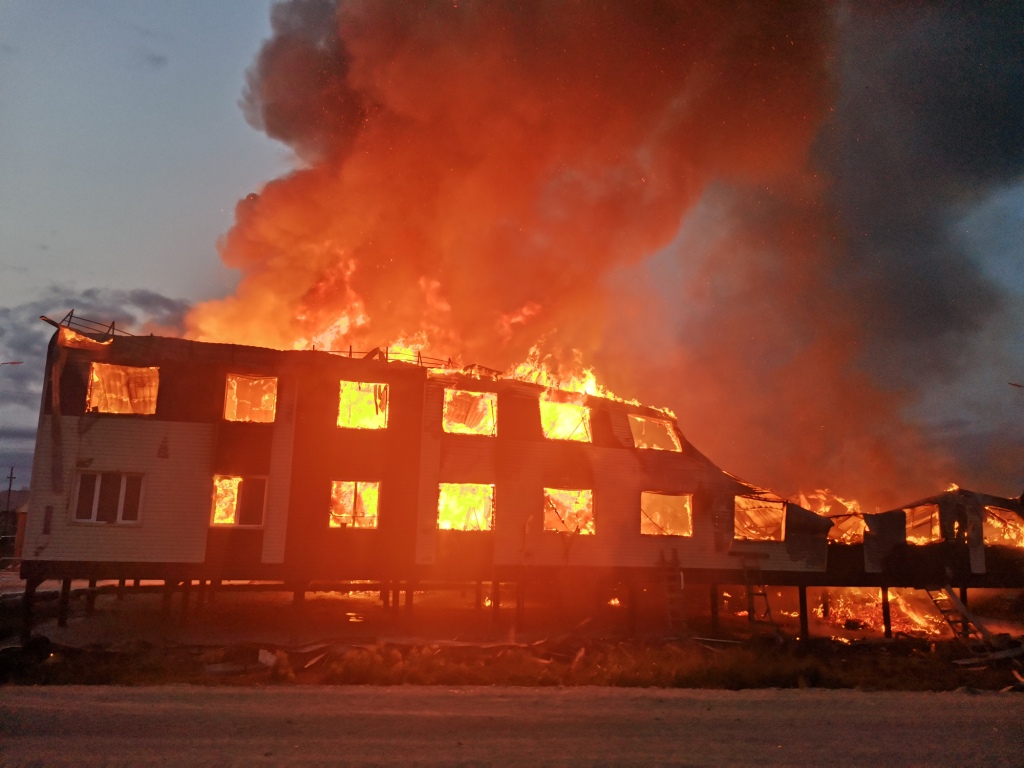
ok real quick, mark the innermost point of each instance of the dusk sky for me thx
(124, 150)
(122, 155)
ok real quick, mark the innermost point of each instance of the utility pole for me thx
(6, 518)
(10, 484)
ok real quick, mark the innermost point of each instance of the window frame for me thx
(765, 503)
(93, 365)
(384, 385)
(493, 512)
(235, 523)
(492, 403)
(640, 419)
(644, 514)
(578, 531)
(251, 377)
(585, 421)
(355, 497)
(122, 493)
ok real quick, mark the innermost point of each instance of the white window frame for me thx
(92, 520)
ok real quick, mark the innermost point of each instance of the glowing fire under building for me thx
(168, 459)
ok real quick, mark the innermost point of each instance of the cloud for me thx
(24, 337)
(150, 59)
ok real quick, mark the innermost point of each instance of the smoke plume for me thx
(734, 211)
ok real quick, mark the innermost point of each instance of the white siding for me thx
(175, 511)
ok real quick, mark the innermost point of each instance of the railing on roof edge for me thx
(79, 323)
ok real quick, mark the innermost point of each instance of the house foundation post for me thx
(28, 600)
(520, 605)
(90, 598)
(633, 608)
(886, 613)
(64, 603)
(165, 605)
(805, 632)
(713, 594)
(186, 594)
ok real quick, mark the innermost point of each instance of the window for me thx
(569, 511)
(923, 524)
(656, 434)
(470, 413)
(759, 519)
(122, 389)
(363, 405)
(354, 504)
(250, 398)
(663, 514)
(108, 497)
(564, 421)
(1003, 527)
(238, 500)
(465, 507)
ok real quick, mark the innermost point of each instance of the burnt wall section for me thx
(298, 456)
(323, 452)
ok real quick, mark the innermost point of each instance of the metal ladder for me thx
(965, 625)
(675, 604)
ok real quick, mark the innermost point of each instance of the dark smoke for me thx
(929, 120)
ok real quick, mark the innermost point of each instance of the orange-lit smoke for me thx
(473, 170)
(486, 175)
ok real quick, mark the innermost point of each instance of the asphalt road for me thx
(184, 725)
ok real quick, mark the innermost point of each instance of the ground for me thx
(414, 725)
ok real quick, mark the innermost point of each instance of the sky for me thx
(823, 276)
(122, 154)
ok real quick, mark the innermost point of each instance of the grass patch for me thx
(760, 663)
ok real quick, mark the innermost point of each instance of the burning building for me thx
(165, 458)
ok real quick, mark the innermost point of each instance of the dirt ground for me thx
(412, 725)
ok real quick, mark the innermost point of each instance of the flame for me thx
(354, 504)
(363, 405)
(1003, 527)
(465, 507)
(250, 398)
(470, 413)
(910, 613)
(569, 511)
(848, 524)
(225, 499)
(564, 420)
